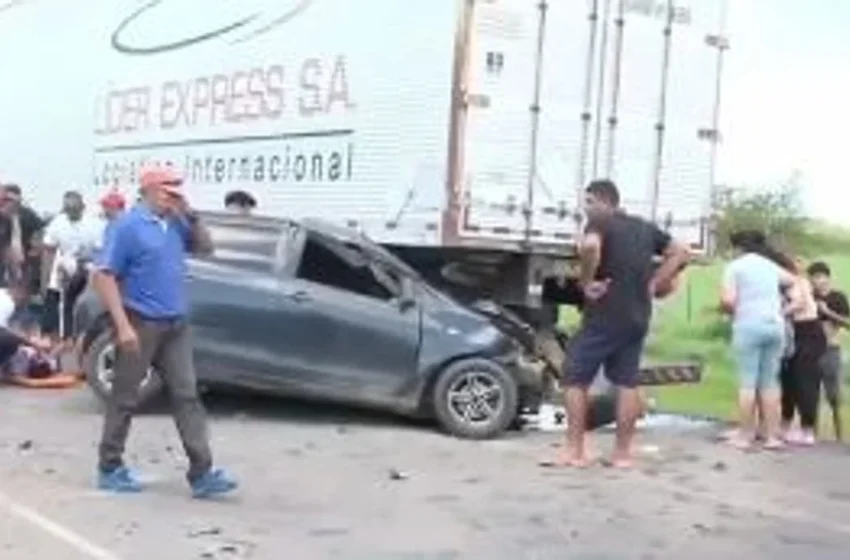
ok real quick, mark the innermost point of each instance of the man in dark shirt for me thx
(31, 222)
(834, 312)
(21, 228)
(619, 277)
(9, 275)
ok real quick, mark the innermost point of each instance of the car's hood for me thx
(457, 322)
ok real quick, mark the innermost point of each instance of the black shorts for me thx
(616, 349)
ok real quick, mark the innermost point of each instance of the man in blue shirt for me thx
(140, 276)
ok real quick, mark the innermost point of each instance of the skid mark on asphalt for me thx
(55, 530)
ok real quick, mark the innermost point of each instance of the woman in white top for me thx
(752, 294)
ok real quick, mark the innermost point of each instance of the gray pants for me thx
(831, 366)
(167, 345)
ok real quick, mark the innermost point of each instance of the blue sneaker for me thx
(215, 482)
(120, 480)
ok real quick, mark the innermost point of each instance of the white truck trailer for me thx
(458, 132)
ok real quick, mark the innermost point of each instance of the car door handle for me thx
(299, 296)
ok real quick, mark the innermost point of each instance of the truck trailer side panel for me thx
(463, 122)
(560, 93)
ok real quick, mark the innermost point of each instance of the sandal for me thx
(774, 444)
(741, 443)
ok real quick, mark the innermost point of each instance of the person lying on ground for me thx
(12, 343)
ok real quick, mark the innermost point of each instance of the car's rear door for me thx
(254, 337)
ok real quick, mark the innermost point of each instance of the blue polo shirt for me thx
(147, 256)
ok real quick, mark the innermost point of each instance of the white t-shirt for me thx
(72, 241)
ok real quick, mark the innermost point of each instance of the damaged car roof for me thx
(266, 226)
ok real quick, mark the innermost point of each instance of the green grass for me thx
(687, 325)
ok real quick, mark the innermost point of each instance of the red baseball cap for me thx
(113, 200)
(161, 177)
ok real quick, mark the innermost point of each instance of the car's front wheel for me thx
(99, 364)
(475, 398)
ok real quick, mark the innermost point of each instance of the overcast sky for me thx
(786, 99)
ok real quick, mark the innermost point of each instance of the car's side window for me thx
(350, 272)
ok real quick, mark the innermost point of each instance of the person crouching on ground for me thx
(834, 315)
(752, 292)
(140, 277)
(619, 279)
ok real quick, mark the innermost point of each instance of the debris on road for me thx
(397, 475)
(229, 550)
(204, 532)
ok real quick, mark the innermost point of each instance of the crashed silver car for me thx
(309, 309)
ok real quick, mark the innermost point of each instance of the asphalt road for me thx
(331, 483)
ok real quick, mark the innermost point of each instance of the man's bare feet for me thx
(621, 460)
(576, 458)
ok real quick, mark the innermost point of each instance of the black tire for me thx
(488, 375)
(95, 368)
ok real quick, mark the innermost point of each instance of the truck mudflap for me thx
(671, 374)
(551, 346)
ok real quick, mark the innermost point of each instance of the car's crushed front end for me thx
(525, 352)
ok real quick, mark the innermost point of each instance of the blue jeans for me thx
(758, 346)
